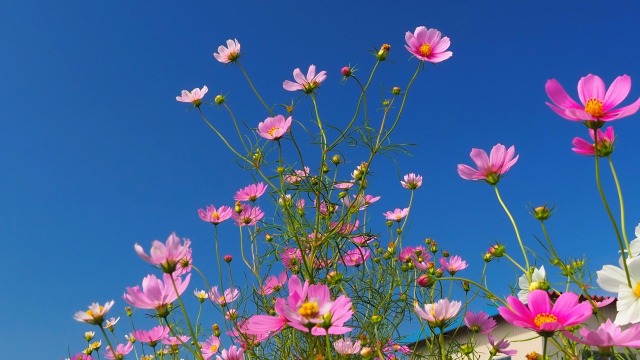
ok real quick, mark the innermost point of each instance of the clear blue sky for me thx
(97, 154)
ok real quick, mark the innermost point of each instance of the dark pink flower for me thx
(249, 215)
(273, 128)
(194, 97)
(251, 192)
(479, 322)
(428, 45)
(274, 283)
(153, 336)
(308, 84)
(541, 316)
(490, 168)
(453, 264)
(228, 54)
(215, 216)
(167, 256)
(604, 147)
(291, 258)
(355, 257)
(598, 103)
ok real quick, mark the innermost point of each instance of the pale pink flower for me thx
(391, 348)
(156, 294)
(355, 257)
(418, 256)
(343, 185)
(215, 216)
(249, 215)
(153, 336)
(297, 176)
(363, 240)
(167, 256)
(273, 128)
(96, 313)
(230, 295)
(490, 168)
(345, 228)
(300, 204)
(396, 215)
(291, 258)
(346, 347)
(479, 322)
(241, 335)
(176, 340)
(439, 313)
(210, 347)
(274, 283)
(411, 181)
(251, 192)
(598, 103)
(541, 316)
(120, 351)
(360, 201)
(228, 54)
(111, 323)
(500, 347)
(428, 44)
(194, 97)
(231, 314)
(607, 335)
(308, 84)
(453, 264)
(604, 147)
(233, 353)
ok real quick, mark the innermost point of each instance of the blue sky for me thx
(98, 155)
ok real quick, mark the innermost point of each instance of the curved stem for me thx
(623, 224)
(255, 91)
(515, 228)
(198, 352)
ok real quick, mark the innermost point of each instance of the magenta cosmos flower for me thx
(251, 192)
(396, 215)
(543, 317)
(215, 216)
(306, 84)
(500, 347)
(274, 128)
(194, 97)
(598, 103)
(233, 353)
(428, 45)
(274, 283)
(153, 336)
(439, 313)
(167, 256)
(479, 322)
(228, 54)
(604, 147)
(608, 334)
(96, 313)
(156, 294)
(355, 257)
(249, 215)
(411, 181)
(490, 168)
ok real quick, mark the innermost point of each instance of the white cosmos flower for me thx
(614, 279)
(538, 281)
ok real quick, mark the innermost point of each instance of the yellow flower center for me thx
(90, 313)
(535, 285)
(544, 318)
(309, 310)
(273, 130)
(594, 108)
(636, 290)
(213, 348)
(425, 50)
(215, 215)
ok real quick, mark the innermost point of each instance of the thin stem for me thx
(515, 228)
(255, 91)
(113, 350)
(186, 317)
(623, 224)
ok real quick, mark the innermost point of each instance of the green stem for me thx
(515, 228)
(255, 91)
(623, 224)
(113, 350)
(198, 352)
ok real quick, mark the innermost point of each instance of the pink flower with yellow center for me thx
(411, 181)
(355, 257)
(120, 351)
(428, 45)
(228, 296)
(215, 216)
(598, 102)
(396, 215)
(249, 215)
(274, 283)
(251, 192)
(166, 256)
(153, 336)
(307, 84)
(544, 317)
(604, 147)
(453, 264)
(490, 168)
(439, 313)
(274, 128)
(228, 54)
(155, 293)
(96, 313)
(194, 96)
(210, 347)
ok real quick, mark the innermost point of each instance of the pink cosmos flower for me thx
(355, 257)
(228, 54)
(453, 264)
(251, 192)
(418, 256)
(210, 347)
(297, 176)
(604, 147)
(598, 103)
(479, 322)
(308, 84)
(156, 294)
(111, 323)
(411, 181)
(396, 215)
(344, 185)
(392, 348)
(81, 356)
(500, 347)
(96, 313)
(607, 335)
(230, 295)
(153, 336)
(428, 45)
(274, 283)
(490, 168)
(346, 347)
(249, 215)
(291, 258)
(363, 240)
(194, 97)
(176, 340)
(215, 216)
(439, 313)
(167, 256)
(120, 352)
(233, 353)
(274, 128)
(541, 316)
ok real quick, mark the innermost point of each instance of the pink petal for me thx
(559, 97)
(591, 87)
(617, 92)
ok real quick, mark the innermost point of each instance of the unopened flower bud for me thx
(376, 319)
(219, 99)
(366, 352)
(533, 356)
(268, 237)
(399, 231)
(382, 53)
(395, 90)
(487, 257)
(466, 349)
(389, 223)
(238, 207)
(280, 169)
(445, 253)
(216, 330)
(342, 194)
(497, 250)
(336, 159)
(439, 272)
(433, 247)
(386, 102)
(425, 281)
(228, 258)
(541, 213)
(334, 277)
(346, 71)
(128, 311)
(466, 286)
